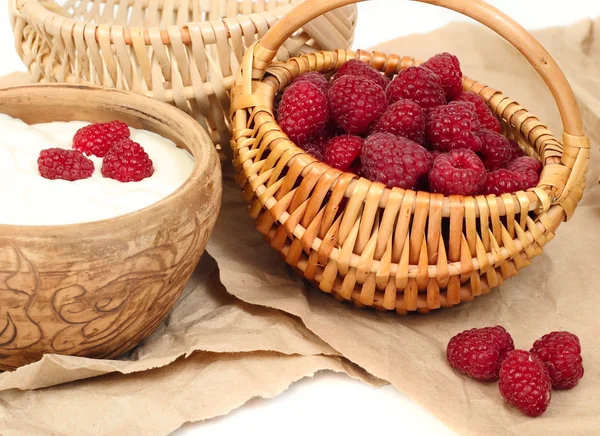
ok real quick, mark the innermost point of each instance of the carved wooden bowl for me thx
(98, 289)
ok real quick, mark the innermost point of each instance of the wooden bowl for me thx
(98, 289)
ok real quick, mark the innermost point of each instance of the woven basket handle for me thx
(576, 145)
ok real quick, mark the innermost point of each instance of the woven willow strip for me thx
(184, 52)
(396, 249)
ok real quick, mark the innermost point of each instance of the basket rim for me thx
(536, 199)
(68, 22)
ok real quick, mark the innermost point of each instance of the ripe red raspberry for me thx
(529, 180)
(58, 163)
(495, 150)
(528, 168)
(418, 84)
(524, 383)
(480, 352)
(516, 151)
(394, 161)
(97, 139)
(357, 68)
(313, 149)
(525, 164)
(502, 181)
(316, 78)
(303, 111)
(453, 126)
(486, 117)
(127, 162)
(560, 352)
(355, 103)
(458, 172)
(403, 118)
(342, 151)
(447, 67)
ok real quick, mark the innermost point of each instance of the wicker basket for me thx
(398, 249)
(184, 52)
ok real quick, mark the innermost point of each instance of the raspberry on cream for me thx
(34, 200)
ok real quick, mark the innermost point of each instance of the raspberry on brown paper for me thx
(525, 383)
(479, 352)
(560, 352)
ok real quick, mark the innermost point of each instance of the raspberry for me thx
(502, 181)
(495, 150)
(394, 161)
(453, 126)
(303, 111)
(480, 352)
(127, 162)
(459, 172)
(403, 118)
(315, 78)
(97, 139)
(528, 168)
(355, 103)
(529, 180)
(486, 117)
(313, 149)
(524, 383)
(525, 164)
(447, 67)
(516, 151)
(357, 68)
(342, 151)
(418, 84)
(560, 352)
(58, 163)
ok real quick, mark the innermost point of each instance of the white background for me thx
(334, 403)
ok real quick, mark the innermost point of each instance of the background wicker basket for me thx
(399, 249)
(184, 52)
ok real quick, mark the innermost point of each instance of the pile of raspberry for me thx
(418, 131)
(526, 377)
(122, 159)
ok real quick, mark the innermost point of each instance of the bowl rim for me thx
(201, 147)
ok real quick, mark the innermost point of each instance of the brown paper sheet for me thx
(159, 401)
(558, 291)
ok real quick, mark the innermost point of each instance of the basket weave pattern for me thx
(184, 52)
(392, 249)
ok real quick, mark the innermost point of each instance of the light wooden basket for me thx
(397, 249)
(184, 52)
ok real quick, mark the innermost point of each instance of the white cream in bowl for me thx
(26, 198)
